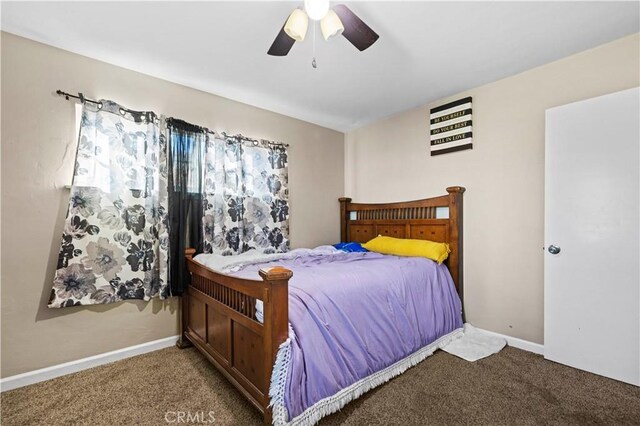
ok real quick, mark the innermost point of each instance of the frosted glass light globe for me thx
(296, 25)
(316, 9)
(331, 25)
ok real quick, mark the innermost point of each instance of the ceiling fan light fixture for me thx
(316, 9)
(297, 24)
(333, 21)
(331, 25)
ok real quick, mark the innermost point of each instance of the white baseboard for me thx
(24, 379)
(525, 345)
(31, 377)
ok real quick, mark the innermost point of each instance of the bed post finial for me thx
(276, 273)
(189, 252)
(344, 219)
(453, 189)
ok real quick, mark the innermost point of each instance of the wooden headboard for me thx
(437, 219)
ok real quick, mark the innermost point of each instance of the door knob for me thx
(554, 249)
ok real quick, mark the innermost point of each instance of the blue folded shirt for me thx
(350, 247)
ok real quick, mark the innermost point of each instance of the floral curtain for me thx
(246, 203)
(115, 239)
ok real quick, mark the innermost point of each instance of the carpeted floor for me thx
(511, 388)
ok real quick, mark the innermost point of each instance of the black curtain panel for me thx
(186, 146)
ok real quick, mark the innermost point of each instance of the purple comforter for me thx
(354, 314)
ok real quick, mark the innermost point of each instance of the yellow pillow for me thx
(405, 247)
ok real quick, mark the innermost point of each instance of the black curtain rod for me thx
(175, 122)
(80, 97)
(255, 141)
(137, 115)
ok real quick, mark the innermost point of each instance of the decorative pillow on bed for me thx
(350, 247)
(406, 247)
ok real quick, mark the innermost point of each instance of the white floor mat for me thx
(475, 344)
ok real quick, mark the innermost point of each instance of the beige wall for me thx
(38, 148)
(504, 176)
(384, 161)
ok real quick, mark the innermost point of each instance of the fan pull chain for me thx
(313, 62)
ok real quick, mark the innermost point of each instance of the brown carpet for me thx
(511, 388)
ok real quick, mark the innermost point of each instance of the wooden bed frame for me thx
(218, 311)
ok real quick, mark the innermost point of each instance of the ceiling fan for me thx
(333, 21)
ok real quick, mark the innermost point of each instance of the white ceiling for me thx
(426, 50)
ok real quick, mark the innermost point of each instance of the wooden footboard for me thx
(218, 317)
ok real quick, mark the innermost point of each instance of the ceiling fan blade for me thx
(282, 44)
(357, 32)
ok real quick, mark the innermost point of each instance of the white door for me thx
(592, 214)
